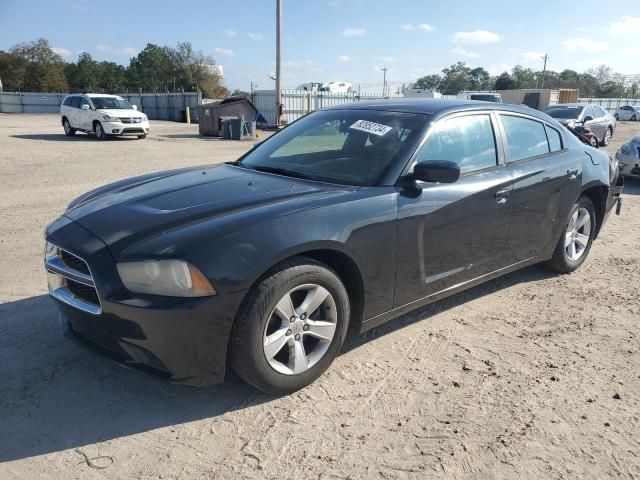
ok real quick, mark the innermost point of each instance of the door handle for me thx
(572, 173)
(503, 195)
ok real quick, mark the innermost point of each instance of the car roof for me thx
(92, 95)
(435, 106)
(567, 105)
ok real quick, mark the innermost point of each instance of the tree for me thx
(478, 79)
(152, 70)
(523, 77)
(43, 68)
(456, 78)
(83, 76)
(428, 82)
(241, 93)
(12, 71)
(111, 77)
(505, 82)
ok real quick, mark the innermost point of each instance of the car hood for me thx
(116, 112)
(126, 212)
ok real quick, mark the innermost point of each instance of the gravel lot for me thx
(532, 375)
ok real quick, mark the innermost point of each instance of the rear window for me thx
(67, 101)
(483, 97)
(555, 141)
(568, 112)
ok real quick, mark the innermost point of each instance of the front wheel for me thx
(291, 327)
(633, 118)
(99, 131)
(576, 239)
(607, 137)
(142, 137)
(616, 117)
(68, 131)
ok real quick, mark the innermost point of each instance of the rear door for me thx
(546, 178)
(451, 233)
(598, 124)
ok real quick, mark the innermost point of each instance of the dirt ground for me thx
(532, 375)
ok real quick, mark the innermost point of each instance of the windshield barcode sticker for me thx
(371, 127)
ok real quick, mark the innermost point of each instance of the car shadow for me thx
(530, 274)
(57, 394)
(631, 186)
(61, 137)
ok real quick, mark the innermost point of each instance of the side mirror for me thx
(588, 118)
(440, 171)
(85, 106)
(135, 107)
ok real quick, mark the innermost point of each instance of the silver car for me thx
(628, 156)
(594, 117)
(628, 112)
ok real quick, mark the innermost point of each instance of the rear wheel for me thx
(99, 131)
(68, 131)
(291, 327)
(616, 117)
(576, 239)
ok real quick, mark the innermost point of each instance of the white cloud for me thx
(532, 56)
(354, 32)
(422, 26)
(465, 53)
(585, 45)
(498, 68)
(63, 52)
(388, 59)
(230, 33)
(627, 26)
(227, 52)
(116, 50)
(255, 36)
(344, 58)
(477, 36)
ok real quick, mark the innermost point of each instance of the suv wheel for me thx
(291, 327)
(633, 118)
(142, 137)
(99, 131)
(616, 117)
(575, 242)
(68, 131)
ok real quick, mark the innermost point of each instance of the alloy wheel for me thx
(300, 329)
(99, 131)
(67, 127)
(578, 234)
(607, 137)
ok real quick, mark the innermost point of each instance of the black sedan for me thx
(348, 217)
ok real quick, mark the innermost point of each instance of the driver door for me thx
(449, 234)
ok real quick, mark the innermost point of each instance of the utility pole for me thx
(544, 69)
(278, 27)
(384, 81)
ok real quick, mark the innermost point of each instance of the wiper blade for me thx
(285, 172)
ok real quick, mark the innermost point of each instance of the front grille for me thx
(83, 292)
(70, 280)
(130, 119)
(74, 262)
(132, 130)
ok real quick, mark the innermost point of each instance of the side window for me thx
(555, 141)
(67, 101)
(468, 141)
(600, 112)
(526, 138)
(75, 102)
(83, 101)
(588, 112)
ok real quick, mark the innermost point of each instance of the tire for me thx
(142, 137)
(562, 260)
(633, 118)
(99, 131)
(616, 117)
(68, 131)
(608, 133)
(264, 315)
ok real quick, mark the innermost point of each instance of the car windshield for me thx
(349, 147)
(485, 97)
(564, 111)
(110, 103)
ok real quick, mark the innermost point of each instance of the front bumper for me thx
(629, 164)
(183, 339)
(121, 129)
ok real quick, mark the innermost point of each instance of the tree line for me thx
(597, 82)
(35, 67)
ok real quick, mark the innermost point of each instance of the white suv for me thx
(102, 115)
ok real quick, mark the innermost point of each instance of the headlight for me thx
(173, 278)
(109, 118)
(144, 118)
(626, 149)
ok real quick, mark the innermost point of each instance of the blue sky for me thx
(345, 40)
